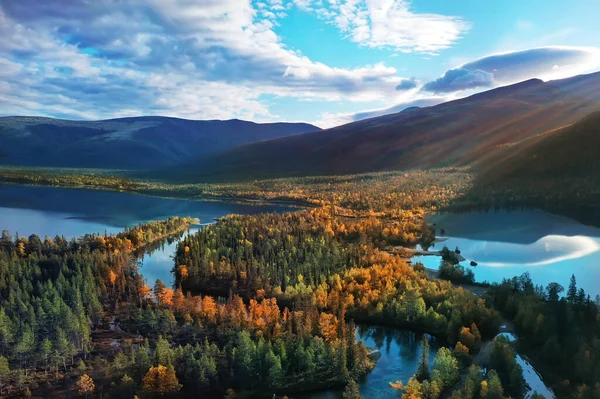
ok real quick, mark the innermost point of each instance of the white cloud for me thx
(547, 63)
(390, 24)
(138, 55)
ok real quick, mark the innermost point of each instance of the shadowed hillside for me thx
(572, 151)
(127, 143)
(457, 133)
(557, 170)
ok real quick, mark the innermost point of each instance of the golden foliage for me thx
(328, 326)
(161, 380)
(85, 385)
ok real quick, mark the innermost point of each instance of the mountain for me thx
(128, 143)
(463, 132)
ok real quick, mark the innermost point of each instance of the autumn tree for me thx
(230, 394)
(85, 385)
(461, 352)
(328, 326)
(412, 390)
(161, 380)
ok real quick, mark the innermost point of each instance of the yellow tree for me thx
(209, 308)
(328, 326)
(161, 380)
(85, 385)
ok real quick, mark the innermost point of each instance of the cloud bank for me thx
(193, 59)
(546, 63)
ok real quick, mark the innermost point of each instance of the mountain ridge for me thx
(462, 132)
(144, 142)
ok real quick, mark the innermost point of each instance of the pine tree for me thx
(572, 291)
(351, 391)
(423, 369)
(4, 372)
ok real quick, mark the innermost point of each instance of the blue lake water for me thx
(506, 244)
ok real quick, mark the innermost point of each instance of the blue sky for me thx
(326, 62)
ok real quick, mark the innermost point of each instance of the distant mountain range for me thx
(471, 131)
(528, 127)
(128, 143)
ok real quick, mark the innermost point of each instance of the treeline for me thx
(68, 178)
(380, 193)
(561, 334)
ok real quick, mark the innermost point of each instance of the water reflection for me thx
(508, 244)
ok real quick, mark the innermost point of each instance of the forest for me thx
(266, 304)
(384, 193)
(559, 329)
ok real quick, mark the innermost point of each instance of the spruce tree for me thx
(572, 292)
(423, 369)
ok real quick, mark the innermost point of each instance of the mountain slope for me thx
(572, 151)
(461, 132)
(128, 143)
(557, 171)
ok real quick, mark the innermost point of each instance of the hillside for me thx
(128, 143)
(571, 151)
(557, 171)
(462, 132)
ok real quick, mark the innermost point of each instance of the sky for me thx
(326, 62)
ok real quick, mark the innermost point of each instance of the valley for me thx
(289, 284)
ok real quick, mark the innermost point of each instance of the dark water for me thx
(506, 244)
(51, 211)
(400, 352)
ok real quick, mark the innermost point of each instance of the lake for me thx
(507, 244)
(73, 212)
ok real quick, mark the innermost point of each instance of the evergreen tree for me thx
(423, 369)
(352, 391)
(4, 373)
(572, 291)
